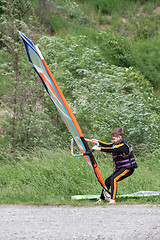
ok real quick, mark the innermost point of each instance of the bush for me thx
(103, 96)
(145, 56)
(115, 48)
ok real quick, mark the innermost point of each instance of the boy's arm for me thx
(121, 148)
(104, 144)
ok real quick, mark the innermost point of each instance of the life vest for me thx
(124, 160)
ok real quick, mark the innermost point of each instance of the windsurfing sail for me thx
(39, 65)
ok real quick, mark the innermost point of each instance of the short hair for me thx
(118, 132)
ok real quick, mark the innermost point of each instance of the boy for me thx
(123, 160)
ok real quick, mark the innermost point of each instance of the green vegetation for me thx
(105, 56)
(49, 177)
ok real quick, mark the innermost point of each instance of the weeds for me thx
(52, 177)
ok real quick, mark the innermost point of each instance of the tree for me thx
(16, 95)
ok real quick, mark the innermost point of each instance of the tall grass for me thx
(145, 56)
(141, 25)
(52, 177)
(113, 6)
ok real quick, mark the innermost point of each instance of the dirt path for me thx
(116, 222)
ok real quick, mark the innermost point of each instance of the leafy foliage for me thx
(94, 72)
(105, 96)
(25, 123)
(115, 48)
(146, 58)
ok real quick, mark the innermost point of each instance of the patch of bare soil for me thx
(157, 10)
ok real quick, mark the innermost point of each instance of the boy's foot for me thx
(112, 201)
(100, 201)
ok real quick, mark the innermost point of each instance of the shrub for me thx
(145, 56)
(115, 48)
(103, 96)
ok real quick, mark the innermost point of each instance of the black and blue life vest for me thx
(124, 160)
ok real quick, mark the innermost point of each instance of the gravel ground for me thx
(111, 222)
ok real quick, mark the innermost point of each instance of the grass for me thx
(136, 21)
(50, 178)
